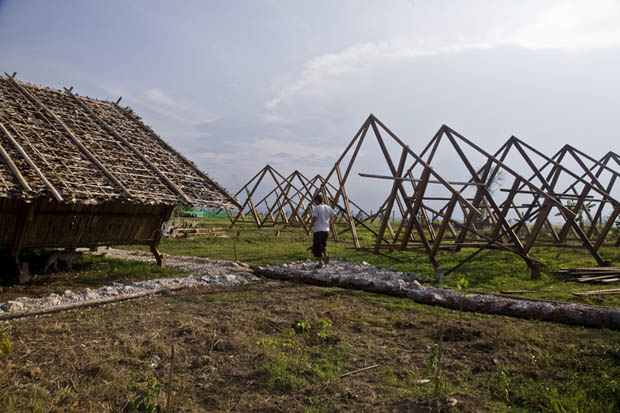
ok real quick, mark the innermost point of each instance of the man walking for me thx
(322, 217)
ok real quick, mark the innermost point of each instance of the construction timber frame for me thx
(550, 205)
(288, 201)
(80, 172)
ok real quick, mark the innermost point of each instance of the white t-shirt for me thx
(322, 213)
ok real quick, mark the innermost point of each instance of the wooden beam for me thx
(430, 181)
(391, 198)
(25, 217)
(444, 225)
(345, 198)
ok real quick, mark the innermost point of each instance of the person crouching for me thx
(322, 217)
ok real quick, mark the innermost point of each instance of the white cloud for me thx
(570, 26)
(158, 96)
(183, 115)
(318, 72)
(574, 26)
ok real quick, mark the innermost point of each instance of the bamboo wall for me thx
(50, 224)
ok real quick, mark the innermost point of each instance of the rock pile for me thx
(202, 271)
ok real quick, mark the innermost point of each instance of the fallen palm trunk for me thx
(558, 312)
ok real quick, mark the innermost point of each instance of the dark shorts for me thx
(319, 243)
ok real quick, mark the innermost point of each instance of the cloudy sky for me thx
(235, 85)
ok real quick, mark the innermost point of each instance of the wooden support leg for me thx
(19, 271)
(159, 257)
(439, 275)
(534, 270)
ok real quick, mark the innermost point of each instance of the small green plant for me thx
(289, 359)
(322, 325)
(6, 345)
(433, 367)
(147, 400)
(302, 326)
(461, 285)
(502, 385)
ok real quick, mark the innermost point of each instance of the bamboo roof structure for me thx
(76, 149)
(80, 172)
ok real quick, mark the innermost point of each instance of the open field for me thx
(276, 346)
(491, 271)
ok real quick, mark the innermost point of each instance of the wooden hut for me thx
(80, 172)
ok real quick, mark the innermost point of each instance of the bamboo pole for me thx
(14, 169)
(71, 135)
(31, 163)
(139, 154)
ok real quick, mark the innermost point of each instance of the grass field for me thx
(491, 271)
(279, 347)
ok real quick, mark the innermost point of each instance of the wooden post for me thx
(24, 219)
(157, 235)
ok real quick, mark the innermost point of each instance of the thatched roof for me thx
(79, 149)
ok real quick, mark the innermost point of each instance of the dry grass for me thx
(280, 346)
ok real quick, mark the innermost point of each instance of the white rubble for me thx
(359, 274)
(202, 271)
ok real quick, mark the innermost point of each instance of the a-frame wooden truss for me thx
(288, 200)
(281, 204)
(448, 214)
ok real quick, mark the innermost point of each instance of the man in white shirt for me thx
(322, 217)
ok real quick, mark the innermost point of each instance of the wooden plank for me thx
(390, 199)
(430, 181)
(598, 292)
(345, 198)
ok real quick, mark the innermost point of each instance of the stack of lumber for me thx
(592, 275)
(599, 292)
(190, 229)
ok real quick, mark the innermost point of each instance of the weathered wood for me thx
(73, 137)
(125, 142)
(598, 292)
(374, 366)
(14, 169)
(30, 163)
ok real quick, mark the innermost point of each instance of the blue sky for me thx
(235, 85)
